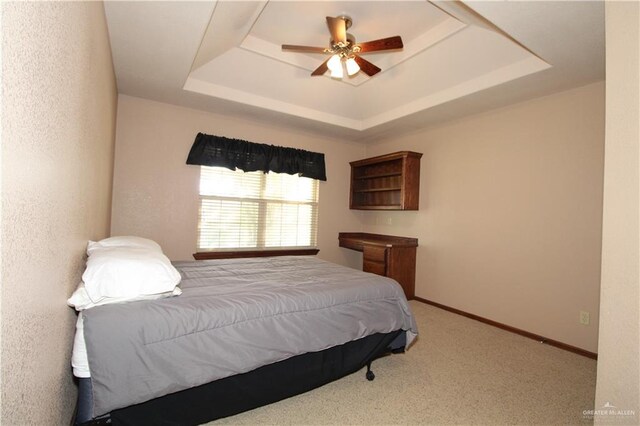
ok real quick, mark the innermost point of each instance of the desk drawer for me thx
(377, 268)
(374, 253)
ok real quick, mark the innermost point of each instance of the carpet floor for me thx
(459, 371)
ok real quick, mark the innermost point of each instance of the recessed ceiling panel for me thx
(473, 53)
(276, 80)
(304, 22)
(440, 53)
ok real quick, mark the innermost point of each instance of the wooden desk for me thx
(393, 257)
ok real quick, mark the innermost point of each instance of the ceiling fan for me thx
(344, 49)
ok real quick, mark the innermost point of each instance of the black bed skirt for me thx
(262, 386)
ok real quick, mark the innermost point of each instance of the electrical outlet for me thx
(584, 317)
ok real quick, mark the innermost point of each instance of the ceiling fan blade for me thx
(367, 67)
(388, 43)
(310, 49)
(321, 69)
(338, 29)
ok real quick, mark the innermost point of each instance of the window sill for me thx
(205, 255)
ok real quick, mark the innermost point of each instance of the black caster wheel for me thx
(370, 376)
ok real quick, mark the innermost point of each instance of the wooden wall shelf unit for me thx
(393, 257)
(386, 182)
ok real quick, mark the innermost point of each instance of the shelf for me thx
(380, 207)
(378, 189)
(378, 175)
(386, 182)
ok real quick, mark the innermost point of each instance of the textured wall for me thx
(155, 194)
(58, 130)
(510, 213)
(618, 363)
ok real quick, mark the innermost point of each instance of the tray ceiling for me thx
(226, 57)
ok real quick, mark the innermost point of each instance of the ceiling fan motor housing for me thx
(347, 21)
(351, 40)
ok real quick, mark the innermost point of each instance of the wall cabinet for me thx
(387, 255)
(386, 182)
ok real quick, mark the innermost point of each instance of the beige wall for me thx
(58, 130)
(509, 224)
(156, 193)
(618, 371)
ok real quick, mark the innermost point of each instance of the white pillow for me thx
(80, 300)
(125, 241)
(128, 272)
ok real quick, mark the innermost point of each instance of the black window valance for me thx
(209, 150)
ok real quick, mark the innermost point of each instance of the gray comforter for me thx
(234, 316)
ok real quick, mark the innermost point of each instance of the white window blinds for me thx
(254, 210)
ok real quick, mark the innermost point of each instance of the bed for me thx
(242, 333)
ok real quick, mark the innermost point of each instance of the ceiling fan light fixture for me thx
(352, 66)
(337, 73)
(335, 66)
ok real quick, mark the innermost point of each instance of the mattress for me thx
(234, 316)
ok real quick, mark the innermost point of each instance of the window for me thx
(255, 210)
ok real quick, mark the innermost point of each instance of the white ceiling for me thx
(458, 58)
